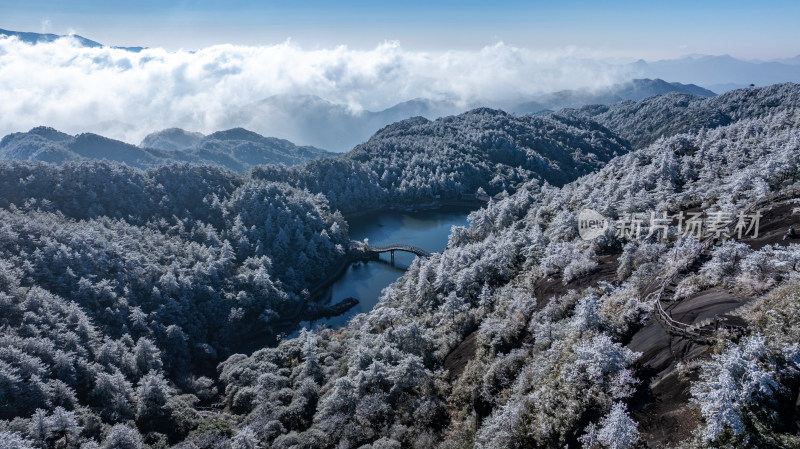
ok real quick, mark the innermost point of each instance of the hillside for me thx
(645, 121)
(235, 149)
(418, 161)
(155, 276)
(421, 161)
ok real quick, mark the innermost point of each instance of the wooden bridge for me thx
(699, 332)
(419, 252)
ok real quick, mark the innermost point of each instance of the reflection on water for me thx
(428, 230)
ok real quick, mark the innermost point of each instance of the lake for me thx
(364, 281)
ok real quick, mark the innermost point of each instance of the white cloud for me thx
(126, 95)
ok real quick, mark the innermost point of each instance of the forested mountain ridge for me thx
(643, 122)
(418, 160)
(239, 149)
(49, 145)
(555, 149)
(235, 149)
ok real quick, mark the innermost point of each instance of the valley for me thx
(192, 295)
(364, 280)
(399, 225)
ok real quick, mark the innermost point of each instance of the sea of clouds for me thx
(125, 95)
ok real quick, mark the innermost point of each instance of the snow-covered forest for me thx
(550, 371)
(235, 149)
(417, 160)
(126, 292)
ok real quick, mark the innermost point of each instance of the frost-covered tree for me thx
(122, 436)
(730, 382)
(615, 431)
(14, 440)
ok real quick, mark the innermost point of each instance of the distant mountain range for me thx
(635, 90)
(638, 122)
(722, 73)
(311, 120)
(35, 38)
(236, 149)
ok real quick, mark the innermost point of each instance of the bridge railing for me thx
(397, 247)
(692, 330)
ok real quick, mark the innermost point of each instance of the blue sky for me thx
(746, 29)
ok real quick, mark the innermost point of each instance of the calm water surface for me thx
(365, 280)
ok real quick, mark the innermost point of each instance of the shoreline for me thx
(318, 289)
(336, 270)
(434, 205)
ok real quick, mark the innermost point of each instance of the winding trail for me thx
(702, 332)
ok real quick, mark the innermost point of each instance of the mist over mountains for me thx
(635, 90)
(239, 149)
(637, 123)
(315, 121)
(327, 98)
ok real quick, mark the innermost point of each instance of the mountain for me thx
(315, 121)
(125, 293)
(50, 145)
(311, 120)
(555, 148)
(789, 61)
(419, 161)
(720, 73)
(645, 121)
(171, 139)
(635, 90)
(36, 38)
(247, 149)
(235, 149)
